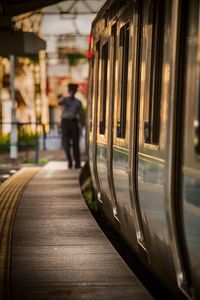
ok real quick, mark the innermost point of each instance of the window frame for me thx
(154, 58)
(104, 79)
(121, 120)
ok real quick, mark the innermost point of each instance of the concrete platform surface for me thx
(58, 250)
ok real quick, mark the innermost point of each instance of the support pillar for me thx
(13, 136)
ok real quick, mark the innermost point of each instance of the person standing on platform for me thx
(72, 120)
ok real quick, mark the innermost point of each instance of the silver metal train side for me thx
(144, 134)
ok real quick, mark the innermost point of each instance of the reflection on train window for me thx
(103, 88)
(123, 59)
(113, 63)
(197, 124)
(196, 31)
(153, 40)
(96, 78)
(91, 92)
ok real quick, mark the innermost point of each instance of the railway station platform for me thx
(51, 247)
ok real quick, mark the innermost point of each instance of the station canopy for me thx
(16, 7)
(53, 20)
(62, 24)
(70, 17)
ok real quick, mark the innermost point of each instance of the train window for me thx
(114, 46)
(104, 60)
(121, 107)
(154, 55)
(96, 77)
(91, 91)
(197, 126)
(197, 117)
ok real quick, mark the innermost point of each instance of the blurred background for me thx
(30, 123)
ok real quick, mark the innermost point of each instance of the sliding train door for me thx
(103, 115)
(112, 95)
(189, 145)
(183, 174)
(155, 82)
(136, 39)
(93, 107)
(121, 124)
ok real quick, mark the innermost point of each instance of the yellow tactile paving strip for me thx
(10, 194)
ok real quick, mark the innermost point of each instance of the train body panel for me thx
(121, 185)
(190, 168)
(143, 147)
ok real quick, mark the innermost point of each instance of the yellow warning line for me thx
(10, 194)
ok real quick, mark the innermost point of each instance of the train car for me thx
(144, 132)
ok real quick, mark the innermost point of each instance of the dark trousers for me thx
(70, 136)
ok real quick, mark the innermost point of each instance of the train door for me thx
(190, 168)
(90, 116)
(102, 119)
(185, 184)
(113, 60)
(151, 157)
(121, 129)
(94, 96)
(136, 37)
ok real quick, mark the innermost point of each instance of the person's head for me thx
(72, 88)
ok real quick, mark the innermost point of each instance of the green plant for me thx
(73, 58)
(26, 138)
(89, 197)
(42, 161)
(4, 143)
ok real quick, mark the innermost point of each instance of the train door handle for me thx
(147, 130)
(197, 137)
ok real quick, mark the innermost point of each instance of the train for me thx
(144, 132)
